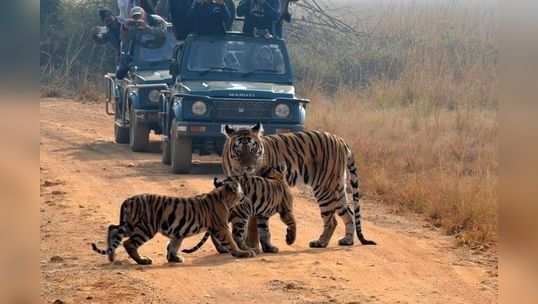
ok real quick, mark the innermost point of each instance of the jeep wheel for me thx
(121, 134)
(165, 150)
(138, 134)
(180, 151)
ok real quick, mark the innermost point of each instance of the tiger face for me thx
(245, 148)
(232, 190)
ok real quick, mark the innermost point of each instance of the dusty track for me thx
(85, 177)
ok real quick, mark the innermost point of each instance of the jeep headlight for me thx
(282, 110)
(154, 95)
(199, 108)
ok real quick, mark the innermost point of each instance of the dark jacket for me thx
(268, 20)
(112, 35)
(208, 18)
(178, 16)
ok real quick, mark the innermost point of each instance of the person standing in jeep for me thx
(139, 23)
(261, 16)
(125, 7)
(110, 32)
(208, 17)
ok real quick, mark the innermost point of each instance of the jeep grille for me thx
(240, 110)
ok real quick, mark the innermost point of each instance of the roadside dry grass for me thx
(441, 163)
(426, 139)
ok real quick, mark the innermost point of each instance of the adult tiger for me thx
(265, 195)
(318, 159)
(142, 216)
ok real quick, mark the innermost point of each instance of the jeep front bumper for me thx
(208, 138)
(212, 129)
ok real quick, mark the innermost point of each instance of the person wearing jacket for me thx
(208, 17)
(110, 33)
(260, 15)
(139, 22)
(178, 16)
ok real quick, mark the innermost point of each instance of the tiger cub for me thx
(264, 195)
(142, 216)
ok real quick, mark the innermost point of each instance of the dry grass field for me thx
(427, 139)
(443, 164)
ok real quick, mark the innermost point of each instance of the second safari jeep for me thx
(135, 100)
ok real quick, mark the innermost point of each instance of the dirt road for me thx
(85, 176)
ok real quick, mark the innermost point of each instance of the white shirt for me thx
(125, 7)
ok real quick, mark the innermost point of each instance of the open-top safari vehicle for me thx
(135, 100)
(229, 79)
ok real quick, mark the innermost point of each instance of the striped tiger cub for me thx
(143, 216)
(319, 159)
(264, 196)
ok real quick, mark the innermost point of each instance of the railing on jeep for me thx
(110, 80)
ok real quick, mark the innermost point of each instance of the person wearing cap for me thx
(153, 26)
(110, 32)
(208, 17)
(141, 21)
(125, 7)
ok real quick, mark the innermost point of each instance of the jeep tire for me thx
(165, 150)
(121, 134)
(180, 151)
(138, 134)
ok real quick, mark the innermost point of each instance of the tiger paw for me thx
(270, 249)
(175, 259)
(242, 245)
(144, 261)
(317, 244)
(345, 241)
(256, 250)
(222, 250)
(367, 242)
(244, 253)
(290, 237)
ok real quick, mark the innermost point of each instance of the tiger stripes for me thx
(318, 159)
(143, 216)
(265, 195)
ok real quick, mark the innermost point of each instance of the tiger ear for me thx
(228, 131)
(257, 129)
(216, 182)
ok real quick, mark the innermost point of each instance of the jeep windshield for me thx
(155, 58)
(238, 59)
